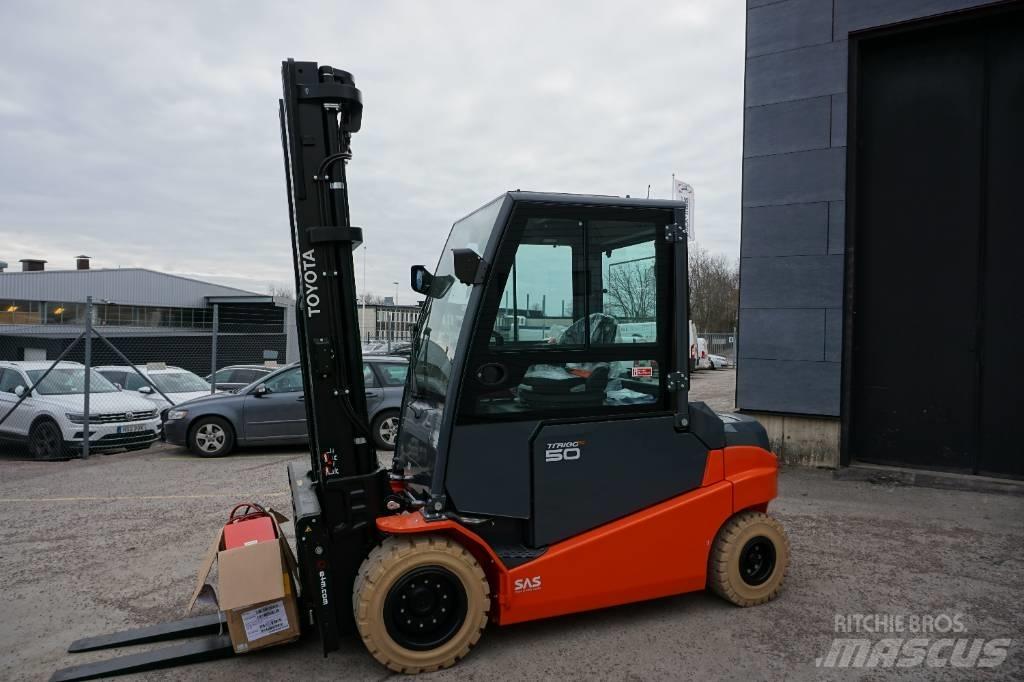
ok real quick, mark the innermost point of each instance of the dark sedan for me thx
(271, 411)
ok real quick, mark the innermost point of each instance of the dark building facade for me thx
(882, 154)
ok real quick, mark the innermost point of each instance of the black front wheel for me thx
(45, 440)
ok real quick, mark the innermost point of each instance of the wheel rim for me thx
(757, 561)
(46, 440)
(210, 437)
(425, 608)
(388, 430)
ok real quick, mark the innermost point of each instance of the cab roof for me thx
(591, 200)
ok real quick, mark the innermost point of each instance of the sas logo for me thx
(527, 584)
(564, 452)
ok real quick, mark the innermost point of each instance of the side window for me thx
(539, 304)
(627, 279)
(9, 380)
(245, 376)
(132, 381)
(393, 373)
(113, 377)
(286, 382)
(369, 380)
(579, 326)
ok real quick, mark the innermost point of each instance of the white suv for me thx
(175, 383)
(50, 419)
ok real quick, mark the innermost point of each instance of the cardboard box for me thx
(255, 589)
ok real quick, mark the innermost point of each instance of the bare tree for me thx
(714, 291)
(281, 292)
(375, 299)
(632, 289)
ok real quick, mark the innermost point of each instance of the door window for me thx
(627, 279)
(393, 373)
(539, 304)
(285, 382)
(600, 348)
(369, 380)
(132, 381)
(9, 380)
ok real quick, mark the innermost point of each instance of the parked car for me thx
(234, 377)
(716, 361)
(176, 383)
(50, 420)
(271, 411)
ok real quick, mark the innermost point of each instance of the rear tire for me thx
(420, 603)
(211, 437)
(45, 440)
(385, 429)
(749, 559)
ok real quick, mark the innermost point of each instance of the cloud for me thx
(146, 134)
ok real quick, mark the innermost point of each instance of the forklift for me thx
(548, 460)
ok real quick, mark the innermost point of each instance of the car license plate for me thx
(131, 428)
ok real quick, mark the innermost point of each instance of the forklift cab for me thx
(547, 386)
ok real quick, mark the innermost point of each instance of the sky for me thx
(145, 134)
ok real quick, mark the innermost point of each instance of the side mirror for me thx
(19, 391)
(421, 279)
(469, 266)
(261, 390)
(146, 390)
(425, 283)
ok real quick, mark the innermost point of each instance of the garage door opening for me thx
(932, 365)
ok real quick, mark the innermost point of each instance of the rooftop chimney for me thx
(32, 265)
(82, 262)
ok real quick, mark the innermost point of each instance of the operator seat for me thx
(572, 384)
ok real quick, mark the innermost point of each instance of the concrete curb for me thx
(872, 473)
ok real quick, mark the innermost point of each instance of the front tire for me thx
(45, 440)
(211, 437)
(420, 603)
(385, 429)
(748, 561)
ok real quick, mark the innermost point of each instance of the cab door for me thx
(565, 416)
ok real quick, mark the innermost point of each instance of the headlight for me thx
(75, 418)
(176, 414)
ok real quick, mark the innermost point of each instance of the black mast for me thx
(320, 110)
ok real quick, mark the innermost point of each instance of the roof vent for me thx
(82, 262)
(32, 265)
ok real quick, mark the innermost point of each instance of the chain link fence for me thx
(721, 344)
(102, 381)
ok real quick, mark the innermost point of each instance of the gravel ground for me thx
(92, 546)
(716, 387)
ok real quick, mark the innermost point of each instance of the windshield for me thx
(441, 320)
(68, 381)
(179, 382)
(438, 330)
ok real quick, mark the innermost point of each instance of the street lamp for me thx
(394, 314)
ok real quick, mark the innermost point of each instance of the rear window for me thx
(393, 373)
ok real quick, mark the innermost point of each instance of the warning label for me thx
(265, 620)
(643, 372)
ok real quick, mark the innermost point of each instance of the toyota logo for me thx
(129, 415)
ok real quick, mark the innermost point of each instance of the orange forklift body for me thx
(656, 552)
